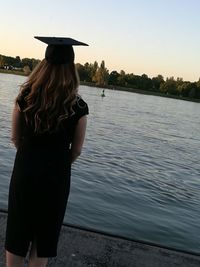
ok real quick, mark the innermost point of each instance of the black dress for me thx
(39, 186)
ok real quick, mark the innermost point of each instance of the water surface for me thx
(138, 175)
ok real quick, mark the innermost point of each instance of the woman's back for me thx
(49, 122)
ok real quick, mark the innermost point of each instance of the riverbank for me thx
(114, 87)
(86, 247)
(139, 91)
(15, 72)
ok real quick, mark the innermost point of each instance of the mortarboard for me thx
(59, 49)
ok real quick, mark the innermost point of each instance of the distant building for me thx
(8, 67)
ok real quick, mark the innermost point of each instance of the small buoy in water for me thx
(103, 93)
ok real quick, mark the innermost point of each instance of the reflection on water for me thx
(138, 175)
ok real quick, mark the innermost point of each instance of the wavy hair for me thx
(52, 91)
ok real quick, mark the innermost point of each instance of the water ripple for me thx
(138, 175)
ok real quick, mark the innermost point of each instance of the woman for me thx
(48, 130)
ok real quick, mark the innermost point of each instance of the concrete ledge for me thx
(83, 248)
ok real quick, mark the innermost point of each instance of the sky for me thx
(138, 36)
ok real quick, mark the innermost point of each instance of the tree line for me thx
(99, 75)
(16, 63)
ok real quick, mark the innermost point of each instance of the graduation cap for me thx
(59, 49)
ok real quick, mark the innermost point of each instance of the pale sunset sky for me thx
(137, 36)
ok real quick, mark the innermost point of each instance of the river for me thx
(139, 173)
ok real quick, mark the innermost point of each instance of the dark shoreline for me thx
(118, 88)
(139, 91)
(15, 72)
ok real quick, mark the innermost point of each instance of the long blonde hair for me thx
(52, 91)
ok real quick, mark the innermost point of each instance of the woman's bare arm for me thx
(78, 139)
(16, 126)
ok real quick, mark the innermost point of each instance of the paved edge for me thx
(80, 247)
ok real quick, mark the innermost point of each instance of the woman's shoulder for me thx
(80, 102)
(21, 98)
(80, 107)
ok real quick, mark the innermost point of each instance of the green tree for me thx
(193, 90)
(198, 83)
(179, 81)
(113, 78)
(17, 62)
(88, 72)
(198, 89)
(122, 78)
(130, 80)
(2, 61)
(156, 82)
(26, 70)
(27, 62)
(9, 61)
(34, 62)
(102, 75)
(81, 71)
(169, 86)
(94, 68)
(145, 83)
(184, 89)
